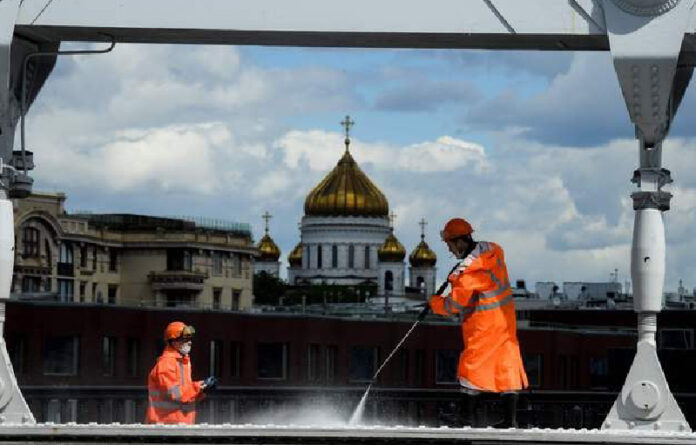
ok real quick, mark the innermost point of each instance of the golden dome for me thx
(422, 256)
(268, 248)
(295, 257)
(392, 250)
(346, 191)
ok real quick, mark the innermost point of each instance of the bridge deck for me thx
(274, 434)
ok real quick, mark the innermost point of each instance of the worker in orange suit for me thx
(172, 395)
(482, 298)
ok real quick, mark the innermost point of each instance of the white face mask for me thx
(185, 349)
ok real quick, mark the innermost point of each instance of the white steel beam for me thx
(514, 24)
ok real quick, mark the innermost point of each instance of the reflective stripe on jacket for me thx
(481, 296)
(172, 395)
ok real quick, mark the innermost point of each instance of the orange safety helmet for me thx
(178, 329)
(455, 228)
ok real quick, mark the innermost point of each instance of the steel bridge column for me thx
(645, 39)
(13, 408)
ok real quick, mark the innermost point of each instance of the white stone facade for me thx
(391, 278)
(270, 267)
(423, 278)
(348, 246)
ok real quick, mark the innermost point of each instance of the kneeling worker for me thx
(172, 395)
(481, 296)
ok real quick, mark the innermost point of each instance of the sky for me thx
(534, 148)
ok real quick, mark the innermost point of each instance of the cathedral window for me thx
(309, 257)
(351, 256)
(367, 257)
(319, 256)
(388, 280)
(334, 256)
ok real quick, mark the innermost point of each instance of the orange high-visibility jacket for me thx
(482, 296)
(172, 395)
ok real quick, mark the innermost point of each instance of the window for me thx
(388, 281)
(31, 242)
(367, 257)
(334, 256)
(217, 263)
(65, 290)
(330, 363)
(49, 257)
(215, 358)
(31, 284)
(83, 256)
(61, 355)
(113, 260)
(533, 364)
(235, 359)
(83, 286)
(401, 370)
(676, 339)
(351, 256)
(363, 363)
(319, 256)
(17, 348)
(446, 362)
(66, 253)
(179, 259)
(420, 284)
(109, 356)
(217, 293)
(236, 265)
(236, 297)
(112, 291)
(309, 257)
(133, 357)
(419, 375)
(313, 363)
(94, 258)
(94, 293)
(272, 361)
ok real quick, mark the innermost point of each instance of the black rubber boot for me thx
(509, 401)
(470, 417)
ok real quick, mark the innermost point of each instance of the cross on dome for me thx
(422, 223)
(392, 218)
(267, 216)
(347, 124)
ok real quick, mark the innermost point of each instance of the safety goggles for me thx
(187, 333)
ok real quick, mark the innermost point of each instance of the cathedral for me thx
(347, 238)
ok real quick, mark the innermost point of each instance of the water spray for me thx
(357, 414)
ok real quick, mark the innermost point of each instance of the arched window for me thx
(308, 251)
(388, 281)
(31, 242)
(319, 256)
(420, 284)
(367, 257)
(351, 256)
(334, 256)
(49, 257)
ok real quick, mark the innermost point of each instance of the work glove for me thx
(209, 383)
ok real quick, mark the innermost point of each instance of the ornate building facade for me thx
(125, 259)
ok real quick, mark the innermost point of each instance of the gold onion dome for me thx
(295, 257)
(346, 191)
(422, 256)
(392, 250)
(268, 248)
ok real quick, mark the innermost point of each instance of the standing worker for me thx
(172, 395)
(481, 296)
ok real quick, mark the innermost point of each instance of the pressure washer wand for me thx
(358, 411)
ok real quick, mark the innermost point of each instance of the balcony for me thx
(177, 280)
